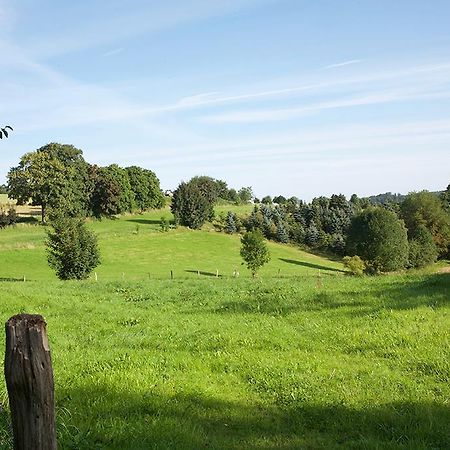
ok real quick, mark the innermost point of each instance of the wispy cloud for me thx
(113, 52)
(130, 21)
(370, 98)
(344, 63)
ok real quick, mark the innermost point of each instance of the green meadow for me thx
(304, 356)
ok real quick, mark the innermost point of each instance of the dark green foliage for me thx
(126, 198)
(106, 192)
(72, 249)
(425, 209)
(7, 216)
(190, 207)
(380, 239)
(3, 189)
(422, 249)
(145, 187)
(222, 189)
(230, 226)
(312, 236)
(254, 250)
(267, 200)
(280, 200)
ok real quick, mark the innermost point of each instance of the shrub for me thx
(72, 249)
(7, 217)
(354, 264)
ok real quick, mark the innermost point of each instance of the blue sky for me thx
(291, 97)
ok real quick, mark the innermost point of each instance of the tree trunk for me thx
(29, 379)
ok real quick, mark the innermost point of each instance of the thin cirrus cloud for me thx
(131, 19)
(342, 64)
(370, 98)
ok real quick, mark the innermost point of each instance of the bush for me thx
(354, 264)
(7, 217)
(72, 249)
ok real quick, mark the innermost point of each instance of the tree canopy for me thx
(380, 239)
(254, 250)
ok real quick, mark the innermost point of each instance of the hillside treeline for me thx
(388, 236)
(57, 178)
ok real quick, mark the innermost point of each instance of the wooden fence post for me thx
(29, 379)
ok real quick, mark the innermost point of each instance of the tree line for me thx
(400, 232)
(69, 189)
(57, 178)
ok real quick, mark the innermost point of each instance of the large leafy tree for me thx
(380, 239)
(126, 199)
(53, 176)
(425, 209)
(145, 187)
(105, 193)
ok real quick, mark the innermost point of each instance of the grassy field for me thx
(133, 247)
(284, 361)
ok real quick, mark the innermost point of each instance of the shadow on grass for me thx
(372, 296)
(28, 219)
(206, 274)
(8, 279)
(145, 221)
(100, 417)
(311, 265)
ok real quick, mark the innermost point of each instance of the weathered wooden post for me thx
(29, 379)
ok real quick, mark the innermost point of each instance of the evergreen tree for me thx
(230, 226)
(282, 233)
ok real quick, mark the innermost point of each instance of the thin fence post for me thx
(171, 275)
(29, 379)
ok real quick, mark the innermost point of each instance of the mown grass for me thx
(288, 360)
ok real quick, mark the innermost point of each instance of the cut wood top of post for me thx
(29, 319)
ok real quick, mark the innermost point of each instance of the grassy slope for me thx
(233, 363)
(146, 252)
